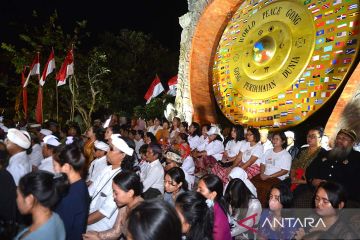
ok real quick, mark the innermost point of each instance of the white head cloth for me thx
(240, 173)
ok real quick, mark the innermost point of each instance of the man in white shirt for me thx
(139, 141)
(103, 209)
(154, 174)
(50, 145)
(98, 164)
(17, 143)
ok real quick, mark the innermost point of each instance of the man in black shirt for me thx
(341, 164)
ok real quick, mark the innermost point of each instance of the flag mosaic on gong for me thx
(277, 62)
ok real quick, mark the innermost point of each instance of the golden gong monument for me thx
(274, 63)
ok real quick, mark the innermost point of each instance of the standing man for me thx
(18, 145)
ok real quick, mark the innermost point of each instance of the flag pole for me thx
(57, 101)
(41, 102)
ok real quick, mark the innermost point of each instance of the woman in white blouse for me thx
(275, 166)
(251, 153)
(213, 151)
(232, 152)
(194, 135)
(244, 207)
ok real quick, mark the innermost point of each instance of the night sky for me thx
(157, 17)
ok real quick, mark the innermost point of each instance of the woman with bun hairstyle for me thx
(175, 184)
(127, 189)
(211, 187)
(73, 208)
(37, 193)
(153, 219)
(195, 216)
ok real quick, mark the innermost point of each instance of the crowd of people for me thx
(162, 180)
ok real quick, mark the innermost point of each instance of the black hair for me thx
(127, 180)
(185, 125)
(133, 132)
(255, 132)
(151, 136)
(239, 132)
(46, 187)
(72, 155)
(54, 149)
(237, 196)
(197, 214)
(208, 126)
(140, 132)
(183, 136)
(319, 129)
(143, 149)
(154, 219)
(156, 149)
(335, 191)
(4, 156)
(219, 138)
(282, 137)
(178, 175)
(286, 196)
(75, 126)
(197, 131)
(99, 133)
(115, 128)
(165, 121)
(214, 184)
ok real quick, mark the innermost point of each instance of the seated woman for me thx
(163, 134)
(302, 193)
(194, 135)
(184, 127)
(127, 189)
(270, 227)
(330, 199)
(211, 187)
(232, 152)
(275, 167)
(37, 193)
(153, 219)
(213, 151)
(244, 208)
(175, 184)
(175, 129)
(195, 216)
(73, 208)
(251, 153)
(202, 142)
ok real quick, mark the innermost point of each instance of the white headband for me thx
(121, 145)
(101, 146)
(51, 140)
(20, 138)
(240, 173)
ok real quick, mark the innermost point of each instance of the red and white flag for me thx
(172, 86)
(49, 67)
(67, 68)
(154, 90)
(34, 69)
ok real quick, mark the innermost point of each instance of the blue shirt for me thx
(267, 232)
(73, 209)
(53, 229)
